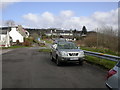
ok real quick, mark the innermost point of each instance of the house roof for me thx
(3, 30)
(21, 31)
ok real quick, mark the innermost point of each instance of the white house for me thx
(18, 33)
(8, 34)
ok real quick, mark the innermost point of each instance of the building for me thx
(10, 35)
(18, 33)
(59, 33)
(4, 38)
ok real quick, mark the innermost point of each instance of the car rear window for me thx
(118, 64)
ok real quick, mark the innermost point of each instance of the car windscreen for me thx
(67, 46)
(118, 64)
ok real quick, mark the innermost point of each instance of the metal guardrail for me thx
(103, 56)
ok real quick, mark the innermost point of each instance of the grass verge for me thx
(43, 45)
(44, 50)
(47, 41)
(100, 50)
(107, 64)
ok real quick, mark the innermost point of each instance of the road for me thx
(28, 68)
(4, 51)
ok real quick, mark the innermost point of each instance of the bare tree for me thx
(107, 37)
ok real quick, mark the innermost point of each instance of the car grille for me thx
(73, 54)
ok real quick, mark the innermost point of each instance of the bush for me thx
(90, 41)
(17, 43)
(105, 37)
(26, 43)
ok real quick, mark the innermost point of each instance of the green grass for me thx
(44, 50)
(47, 41)
(107, 64)
(42, 45)
(100, 50)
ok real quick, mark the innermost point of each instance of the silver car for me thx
(59, 40)
(113, 77)
(66, 52)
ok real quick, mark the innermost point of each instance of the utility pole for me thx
(97, 37)
(52, 34)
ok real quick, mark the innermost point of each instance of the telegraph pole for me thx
(52, 34)
(97, 37)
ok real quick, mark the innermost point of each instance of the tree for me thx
(84, 30)
(35, 35)
(10, 23)
(74, 33)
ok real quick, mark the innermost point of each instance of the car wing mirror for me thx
(54, 46)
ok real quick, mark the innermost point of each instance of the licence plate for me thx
(73, 58)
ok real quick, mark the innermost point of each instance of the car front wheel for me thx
(80, 62)
(51, 57)
(58, 62)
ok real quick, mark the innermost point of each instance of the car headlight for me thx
(81, 53)
(63, 53)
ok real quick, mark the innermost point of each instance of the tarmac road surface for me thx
(28, 68)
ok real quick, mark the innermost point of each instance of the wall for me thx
(16, 35)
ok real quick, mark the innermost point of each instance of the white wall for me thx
(5, 40)
(66, 34)
(2, 37)
(16, 35)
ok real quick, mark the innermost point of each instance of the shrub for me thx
(90, 41)
(26, 43)
(17, 43)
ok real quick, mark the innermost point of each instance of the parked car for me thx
(66, 52)
(113, 77)
(59, 40)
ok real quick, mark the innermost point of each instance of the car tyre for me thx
(58, 62)
(51, 57)
(80, 62)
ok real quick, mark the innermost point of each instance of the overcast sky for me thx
(66, 15)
